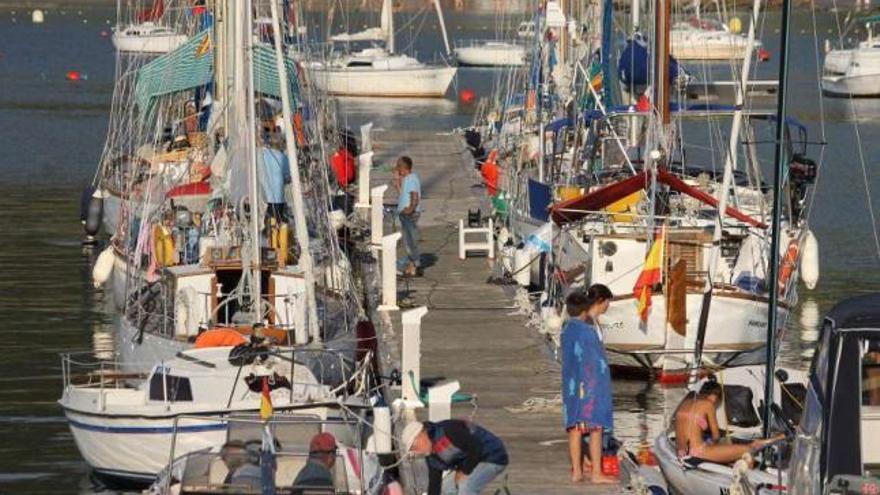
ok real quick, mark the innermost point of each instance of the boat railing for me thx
(81, 369)
(291, 434)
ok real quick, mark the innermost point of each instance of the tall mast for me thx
(387, 23)
(724, 193)
(661, 60)
(250, 141)
(779, 163)
(442, 26)
(299, 216)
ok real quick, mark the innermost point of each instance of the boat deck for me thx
(472, 332)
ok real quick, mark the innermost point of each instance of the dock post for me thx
(389, 271)
(376, 195)
(367, 138)
(440, 400)
(412, 355)
(365, 164)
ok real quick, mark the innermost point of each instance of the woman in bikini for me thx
(696, 418)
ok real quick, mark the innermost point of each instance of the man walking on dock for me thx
(408, 210)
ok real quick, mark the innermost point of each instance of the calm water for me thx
(51, 135)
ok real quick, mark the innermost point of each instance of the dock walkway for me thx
(473, 332)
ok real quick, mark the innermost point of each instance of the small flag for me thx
(204, 46)
(651, 275)
(265, 401)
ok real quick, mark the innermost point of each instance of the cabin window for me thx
(871, 373)
(177, 387)
(360, 63)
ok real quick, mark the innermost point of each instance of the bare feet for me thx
(577, 477)
(587, 466)
(601, 479)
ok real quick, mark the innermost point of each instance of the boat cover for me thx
(577, 208)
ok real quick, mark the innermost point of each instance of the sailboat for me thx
(589, 194)
(378, 70)
(855, 71)
(146, 34)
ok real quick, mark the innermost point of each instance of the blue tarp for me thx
(540, 198)
(634, 63)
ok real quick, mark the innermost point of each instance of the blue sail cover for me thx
(633, 65)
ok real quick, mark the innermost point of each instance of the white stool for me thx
(486, 242)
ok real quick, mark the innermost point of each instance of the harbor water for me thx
(51, 136)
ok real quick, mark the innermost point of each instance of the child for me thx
(586, 381)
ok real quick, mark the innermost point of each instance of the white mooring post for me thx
(389, 272)
(412, 356)
(365, 164)
(440, 400)
(376, 195)
(367, 138)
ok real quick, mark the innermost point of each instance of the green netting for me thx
(189, 66)
(870, 18)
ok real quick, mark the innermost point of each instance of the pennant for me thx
(651, 275)
(204, 46)
(265, 401)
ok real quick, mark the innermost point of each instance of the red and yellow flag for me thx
(204, 46)
(652, 274)
(265, 401)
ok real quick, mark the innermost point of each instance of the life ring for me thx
(786, 267)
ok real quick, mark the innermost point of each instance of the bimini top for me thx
(857, 312)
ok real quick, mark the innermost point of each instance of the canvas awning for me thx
(577, 208)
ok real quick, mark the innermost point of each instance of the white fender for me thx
(337, 274)
(810, 260)
(103, 267)
(337, 219)
(553, 322)
(186, 318)
(521, 270)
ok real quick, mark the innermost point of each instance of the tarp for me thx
(633, 66)
(577, 208)
(540, 198)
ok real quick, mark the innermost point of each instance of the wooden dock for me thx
(473, 332)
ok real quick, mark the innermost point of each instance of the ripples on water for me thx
(51, 135)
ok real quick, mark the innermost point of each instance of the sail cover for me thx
(191, 66)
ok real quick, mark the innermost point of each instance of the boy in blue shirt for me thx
(408, 210)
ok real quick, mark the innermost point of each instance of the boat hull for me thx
(137, 448)
(430, 82)
(860, 85)
(148, 44)
(491, 56)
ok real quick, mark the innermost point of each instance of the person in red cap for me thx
(318, 471)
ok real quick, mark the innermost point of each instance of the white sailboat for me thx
(378, 70)
(147, 37)
(855, 71)
(491, 54)
(704, 39)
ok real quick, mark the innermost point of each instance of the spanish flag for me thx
(652, 274)
(265, 401)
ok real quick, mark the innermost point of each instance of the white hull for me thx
(860, 85)
(368, 81)
(708, 51)
(158, 43)
(735, 323)
(138, 447)
(491, 55)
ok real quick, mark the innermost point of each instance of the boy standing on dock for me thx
(586, 382)
(408, 210)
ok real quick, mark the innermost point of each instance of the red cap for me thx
(322, 442)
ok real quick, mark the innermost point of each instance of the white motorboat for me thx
(703, 39)
(123, 423)
(147, 37)
(854, 71)
(739, 415)
(378, 70)
(491, 54)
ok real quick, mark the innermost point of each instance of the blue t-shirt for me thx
(275, 172)
(410, 184)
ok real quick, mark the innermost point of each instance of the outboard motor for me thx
(802, 171)
(91, 213)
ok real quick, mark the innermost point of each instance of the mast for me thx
(387, 24)
(661, 60)
(442, 26)
(250, 142)
(779, 163)
(299, 216)
(724, 193)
